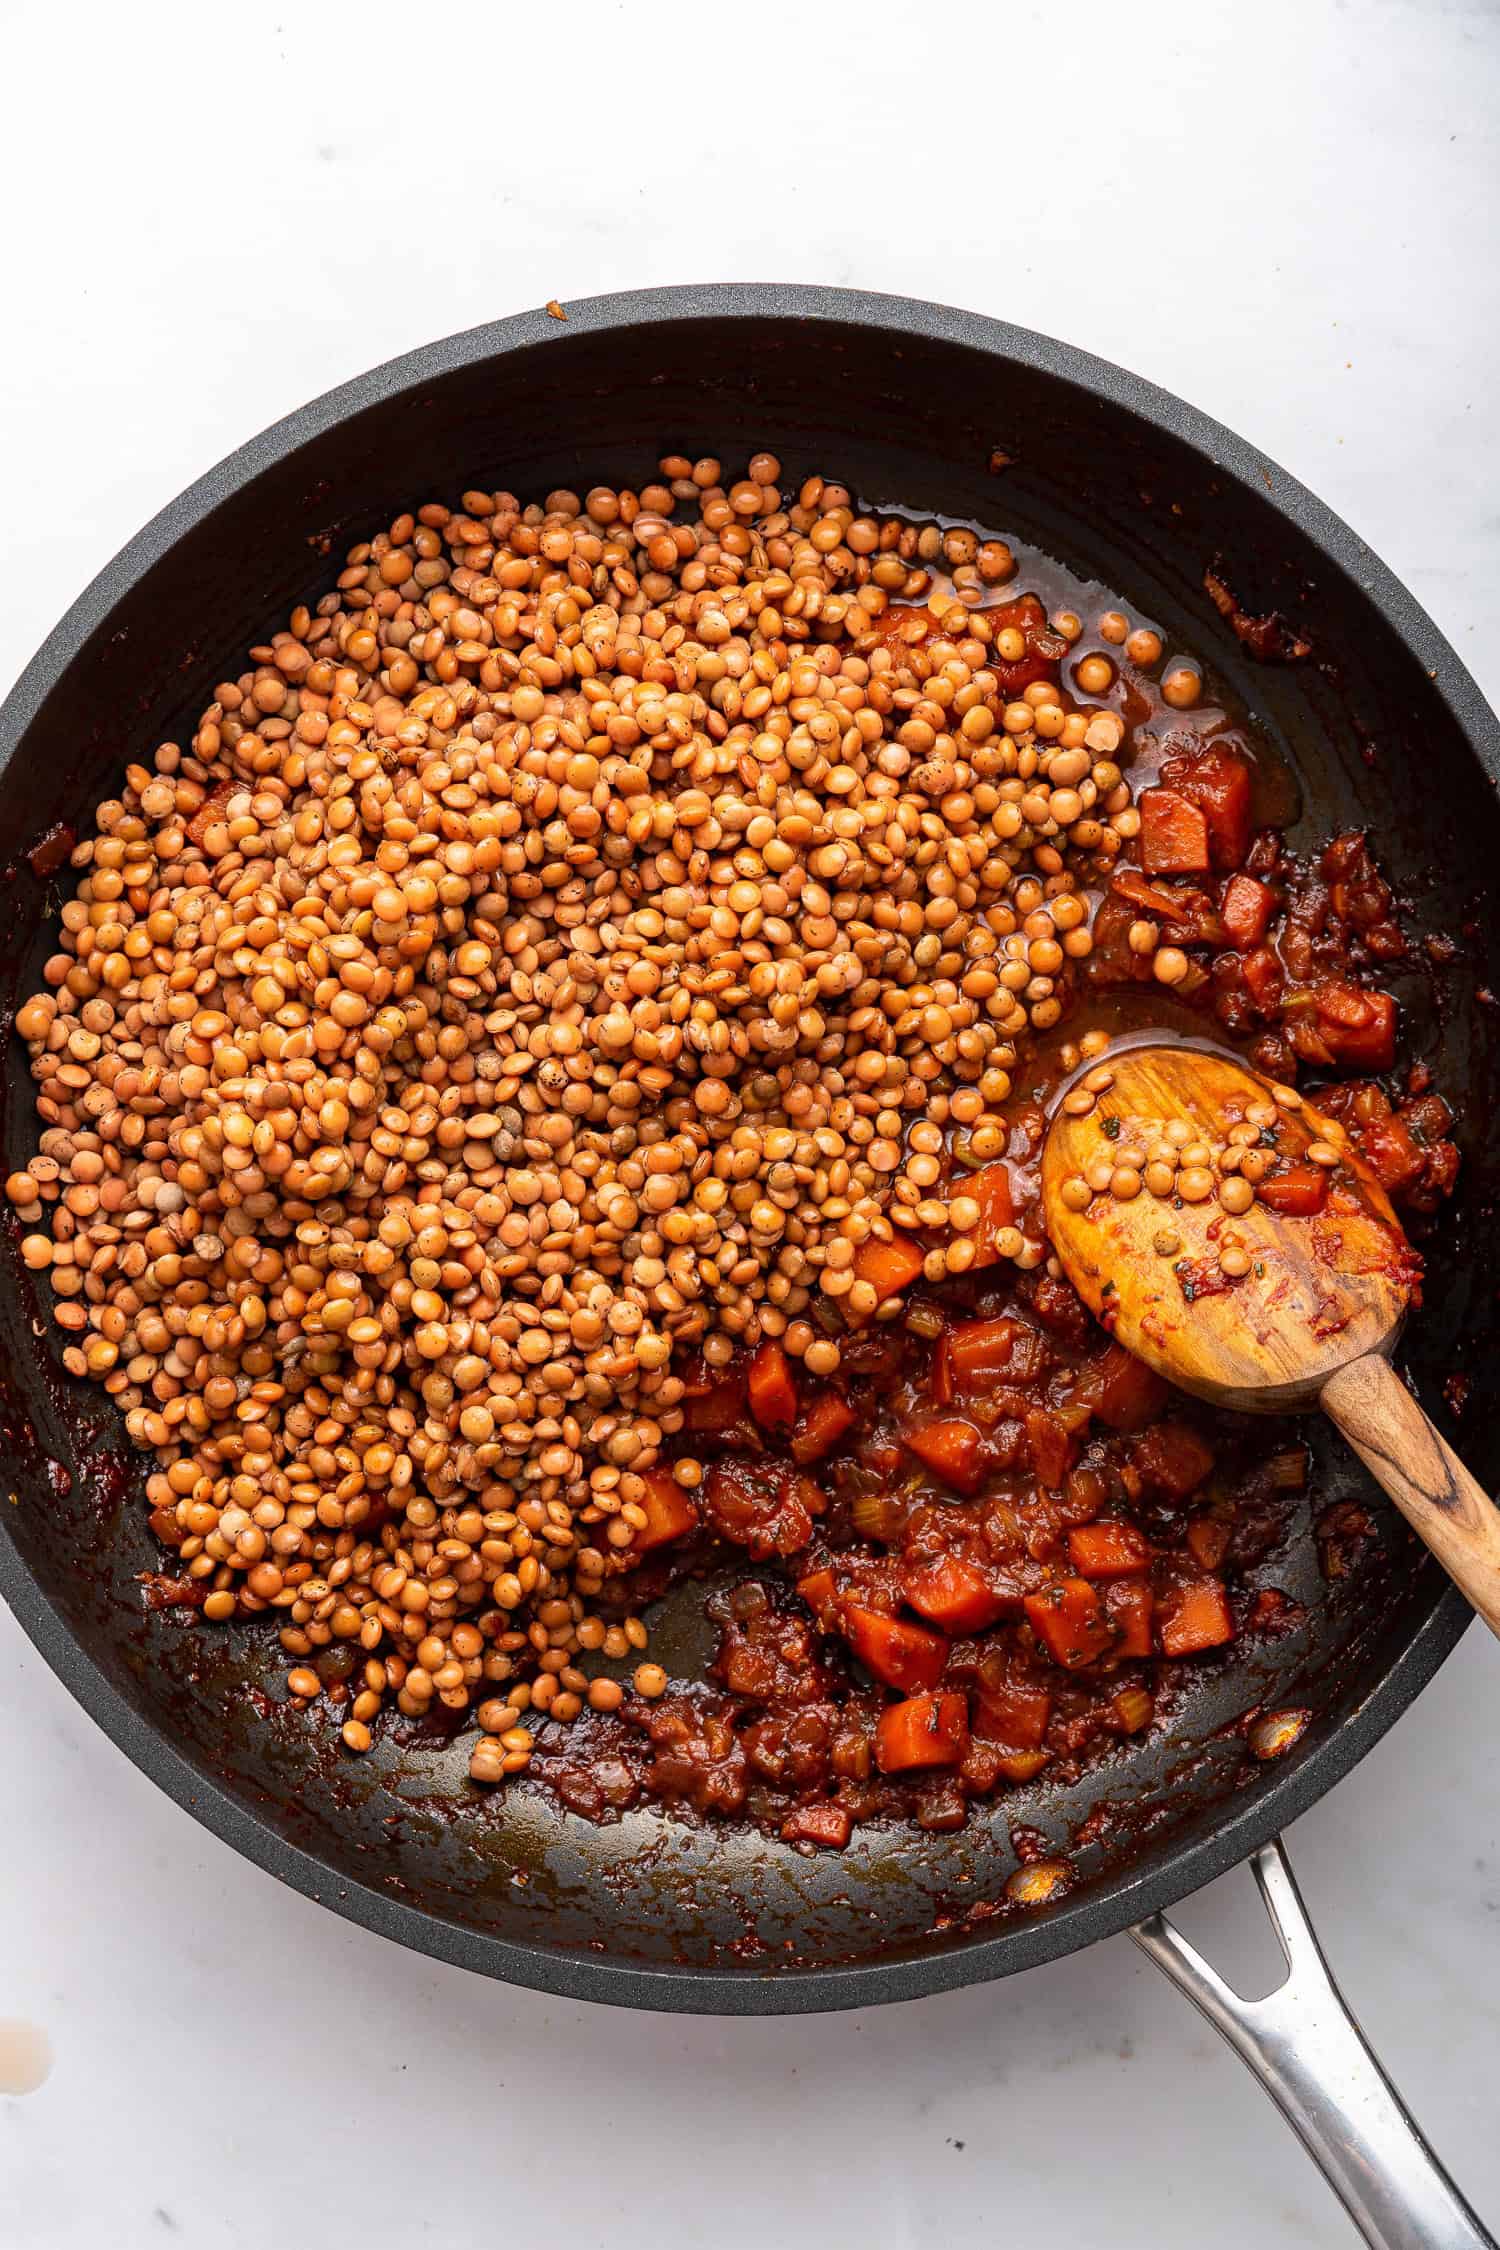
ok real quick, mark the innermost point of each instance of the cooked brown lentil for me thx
(530, 969)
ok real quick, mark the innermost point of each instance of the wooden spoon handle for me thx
(1446, 1509)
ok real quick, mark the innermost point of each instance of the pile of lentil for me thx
(533, 966)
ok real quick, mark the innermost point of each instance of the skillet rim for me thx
(1109, 1906)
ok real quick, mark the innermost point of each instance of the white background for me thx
(1288, 214)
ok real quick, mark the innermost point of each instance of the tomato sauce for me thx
(985, 1549)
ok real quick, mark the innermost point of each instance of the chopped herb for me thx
(1185, 1280)
(1111, 1127)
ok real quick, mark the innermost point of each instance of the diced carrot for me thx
(1173, 1459)
(929, 1730)
(1068, 1621)
(990, 1188)
(1218, 783)
(771, 1387)
(820, 1593)
(766, 1505)
(903, 1655)
(904, 625)
(979, 1351)
(889, 1267)
(1194, 1617)
(670, 1513)
(1246, 912)
(824, 1421)
(1300, 1191)
(1129, 1603)
(828, 1825)
(1358, 1028)
(1174, 834)
(1123, 1391)
(1022, 1765)
(1053, 1450)
(953, 1594)
(951, 1449)
(1208, 1540)
(1012, 1709)
(1108, 1550)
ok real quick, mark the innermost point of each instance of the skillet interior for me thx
(909, 405)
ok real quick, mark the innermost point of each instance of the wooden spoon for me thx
(1312, 1303)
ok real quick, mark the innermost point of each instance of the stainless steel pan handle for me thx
(1305, 2047)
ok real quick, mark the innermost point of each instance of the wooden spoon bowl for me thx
(1320, 1286)
(1231, 1235)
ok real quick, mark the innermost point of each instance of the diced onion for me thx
(1034, 1885)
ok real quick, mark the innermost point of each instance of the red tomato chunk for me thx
(765, 1506)
(1012, 1707)
(1297, 1190)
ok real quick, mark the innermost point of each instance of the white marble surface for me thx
(1287, 213)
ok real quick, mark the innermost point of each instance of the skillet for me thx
(944, 413)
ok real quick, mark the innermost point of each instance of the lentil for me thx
(472, 984)
(567, 959)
